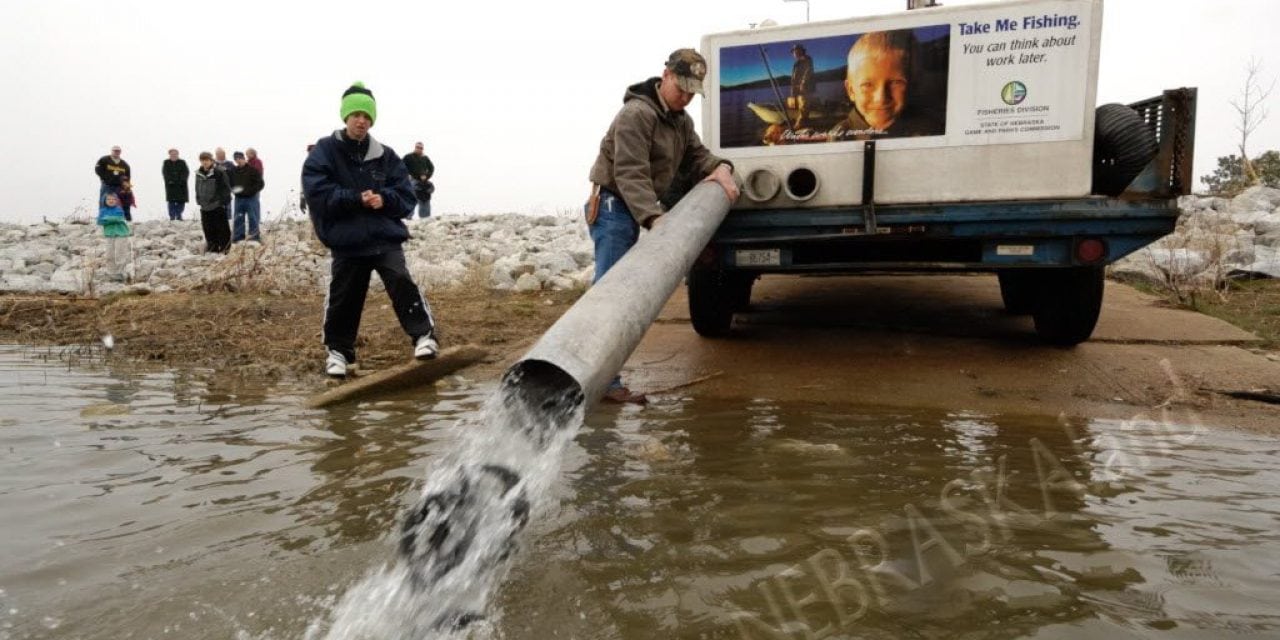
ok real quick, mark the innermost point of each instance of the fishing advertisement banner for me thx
(998, 75)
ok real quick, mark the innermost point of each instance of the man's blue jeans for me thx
(246, 210)
(176, 209)
(614, 233)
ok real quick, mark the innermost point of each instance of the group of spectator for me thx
(218, 182)
(228, 192)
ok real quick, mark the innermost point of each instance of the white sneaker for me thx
(336, 365)
(426, 347)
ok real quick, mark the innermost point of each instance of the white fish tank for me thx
(972, 103)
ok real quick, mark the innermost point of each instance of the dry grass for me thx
(1211, 281)
(252, 267)
(273, 335)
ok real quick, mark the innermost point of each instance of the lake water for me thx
(189, 504)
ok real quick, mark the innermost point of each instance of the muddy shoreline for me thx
(266, 336)
(927, 342)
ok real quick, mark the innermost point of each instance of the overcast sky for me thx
(510, 97)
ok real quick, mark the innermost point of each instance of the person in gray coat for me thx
(213, 195)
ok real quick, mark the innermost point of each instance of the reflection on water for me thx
(214, 509)
(188, 503)
(771, 521)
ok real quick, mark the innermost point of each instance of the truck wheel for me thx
(1122, 146)
(740, 290)
(1017, 291)
(711, 302)
(1067, 303)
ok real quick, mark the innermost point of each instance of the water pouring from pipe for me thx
(456, 542)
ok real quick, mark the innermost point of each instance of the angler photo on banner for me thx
(874, 85)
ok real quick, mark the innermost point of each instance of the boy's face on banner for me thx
(877, 86)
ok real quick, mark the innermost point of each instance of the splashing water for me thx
(455, 544)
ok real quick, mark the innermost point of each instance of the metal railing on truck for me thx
(1172, 118)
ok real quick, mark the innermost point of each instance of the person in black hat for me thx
(802, 84)
(358, 195)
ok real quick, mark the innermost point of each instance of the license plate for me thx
(1015, 250)
(757, 257)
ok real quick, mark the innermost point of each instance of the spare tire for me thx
(1122, 146)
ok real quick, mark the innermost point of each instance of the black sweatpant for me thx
(217, 233)
(347, 290)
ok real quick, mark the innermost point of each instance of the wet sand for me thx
(945, 342)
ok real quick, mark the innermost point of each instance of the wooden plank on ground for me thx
(411, 374)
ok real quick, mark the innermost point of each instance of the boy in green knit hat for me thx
(358, 195)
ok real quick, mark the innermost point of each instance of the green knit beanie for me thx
(357, 98)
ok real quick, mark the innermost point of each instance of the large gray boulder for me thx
(500, 278)
(67, 281)
(1266, 262)
(1257, 198)
(528, 282)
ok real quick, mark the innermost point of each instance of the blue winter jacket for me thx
(112, 221)
(335, 173)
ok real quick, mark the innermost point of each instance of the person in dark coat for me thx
(112, 170)
(246, 184)
(420, 171)
(175, 174)
(213, 196)
(251, 157)
(127, 200)
(358, 193)
(302, 191)
(220, 159)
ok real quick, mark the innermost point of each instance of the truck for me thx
(939, 139)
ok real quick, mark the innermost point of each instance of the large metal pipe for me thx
(469, 519)
(593, 339)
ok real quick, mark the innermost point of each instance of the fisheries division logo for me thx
(1013, 93)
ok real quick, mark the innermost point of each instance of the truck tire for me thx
(1122, 146)
(740, 290)
(711, 302)
(1017, 290)
(1067, 303)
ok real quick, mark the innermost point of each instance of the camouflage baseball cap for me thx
(690, 68)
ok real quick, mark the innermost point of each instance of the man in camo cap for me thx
(642, 156)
